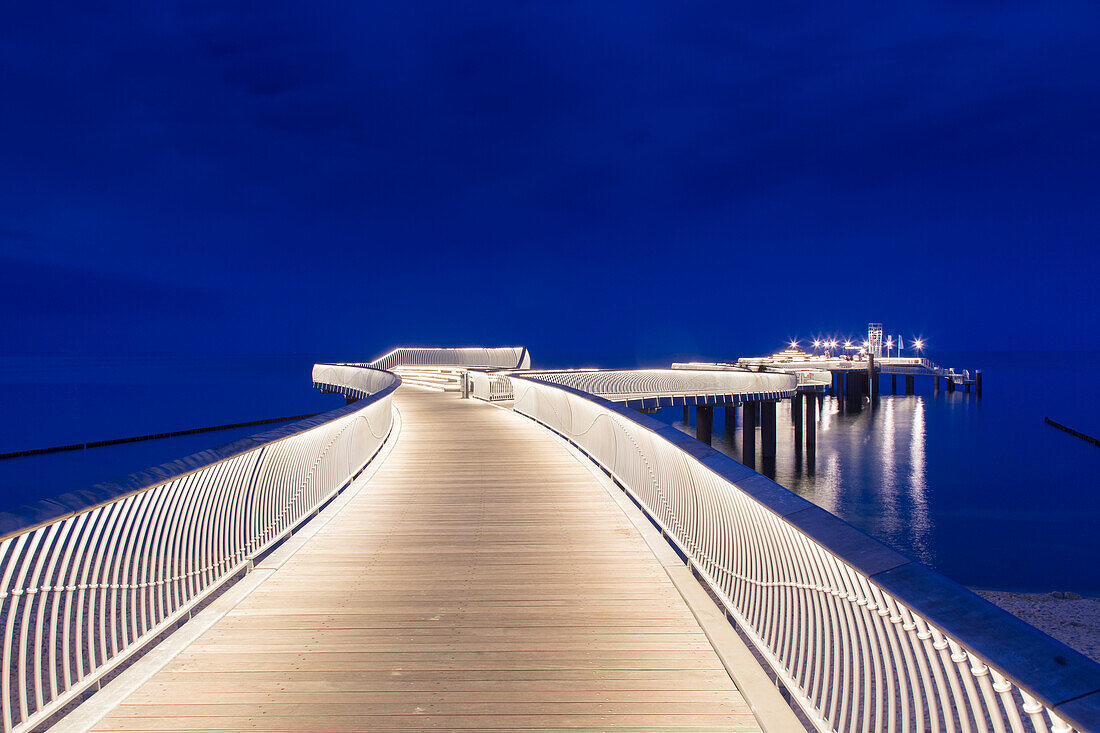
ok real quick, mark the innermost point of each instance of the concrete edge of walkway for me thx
(772, 711)
(111, 695)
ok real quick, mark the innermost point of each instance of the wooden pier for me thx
(483, 579)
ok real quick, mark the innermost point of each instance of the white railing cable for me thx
(89, 578)
(863, 638)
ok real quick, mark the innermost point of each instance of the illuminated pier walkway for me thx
(483, 578)
(555, 561)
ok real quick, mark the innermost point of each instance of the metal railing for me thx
(489, 386)
(90, 578)
(637, 387)
(863, 638)
(503, 357)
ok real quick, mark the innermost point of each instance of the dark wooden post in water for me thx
(950, 384)
(796, 416)
(853, 390)
(909, 384)
(704, 422)
(731, 418)
(748, 434)
(937, 387)
(685, 416)
(811, 423)
(978, 382)
(767, 433)
(872, 378)
(894, 383)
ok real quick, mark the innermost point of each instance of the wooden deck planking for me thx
(482, 580)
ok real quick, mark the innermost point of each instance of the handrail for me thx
(502, 357)
(89, 578)
(864, 638)
(668, 387)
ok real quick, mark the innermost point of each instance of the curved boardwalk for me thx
(483, 579)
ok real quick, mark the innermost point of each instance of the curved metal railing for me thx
(638, 387)
(503, 357)
(89, 578)
(351, 381)
(862, 637)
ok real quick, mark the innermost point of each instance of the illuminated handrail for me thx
(677, 386)
(862, 637)
(87, 579)
(504, 357)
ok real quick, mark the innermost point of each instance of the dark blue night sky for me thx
(601, 182)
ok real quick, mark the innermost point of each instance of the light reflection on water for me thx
(948, 482)
(873, 458)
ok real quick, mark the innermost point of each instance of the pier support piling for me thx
(909, 384)
(767, 436)
(872, 378)
(894, 383)
(767, 429)
(731, 418)
(686, 416)
(704, 423)
(811, 424)
(853, 391)
(978, 382)
(796, 416)
(748, 434)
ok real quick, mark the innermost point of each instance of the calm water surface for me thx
(59, 401)
(981, 490)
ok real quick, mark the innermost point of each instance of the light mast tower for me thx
(874, 339)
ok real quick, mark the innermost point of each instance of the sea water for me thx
(980, 489)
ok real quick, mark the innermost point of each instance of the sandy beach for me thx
(1069, 618)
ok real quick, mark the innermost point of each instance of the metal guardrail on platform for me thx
(503, 357)
(489, 386)
(863, 638)
(672, 387)
(88, 579)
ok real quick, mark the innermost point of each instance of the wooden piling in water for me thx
(748, 434)
(704, 423)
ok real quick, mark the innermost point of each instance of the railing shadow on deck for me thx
(89, 579)
(862, 637)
